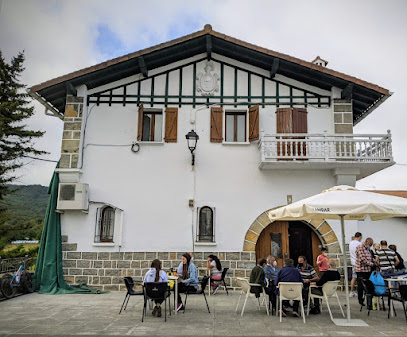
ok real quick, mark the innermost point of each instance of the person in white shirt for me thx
(352, 251)
(156, 274)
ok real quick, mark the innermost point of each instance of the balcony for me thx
(368, 153)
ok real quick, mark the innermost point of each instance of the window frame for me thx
(153, 112)
(100, 212)
(235, 126)
(198, 235)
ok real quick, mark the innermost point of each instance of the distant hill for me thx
(25, 210)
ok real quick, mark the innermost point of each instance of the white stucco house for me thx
(272, 129)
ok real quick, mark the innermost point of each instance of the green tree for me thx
(15, 139)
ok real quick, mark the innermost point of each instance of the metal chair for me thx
(203, 283)
(329, 289)
(290, 291)
(129, 282)
(156, 291)
(245, 285)
(224, 271)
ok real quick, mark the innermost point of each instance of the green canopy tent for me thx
(48, 276)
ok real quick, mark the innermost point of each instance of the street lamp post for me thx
(192, 139)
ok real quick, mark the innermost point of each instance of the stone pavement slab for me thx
(98, 315)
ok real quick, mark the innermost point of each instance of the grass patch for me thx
(27, 246)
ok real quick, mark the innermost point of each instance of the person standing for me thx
(357, 240)
(387, 258)
(400, 265)
(322, 261)
(363, 266)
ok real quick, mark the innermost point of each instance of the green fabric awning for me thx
(48, 276)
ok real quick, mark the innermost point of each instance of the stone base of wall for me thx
(105, 271)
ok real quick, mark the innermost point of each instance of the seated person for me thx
(331, 274)
(214, 265)
(271, 270)
(188, 279)
(155, 274)
(289, 274)
(257, 276)
(180, 266)
(308, 274)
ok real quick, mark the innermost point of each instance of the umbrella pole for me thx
(345, 264)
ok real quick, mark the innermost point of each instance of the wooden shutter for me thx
(140, 122)
(292, 120)
(254, 123)
(216, 125)
(171, 125)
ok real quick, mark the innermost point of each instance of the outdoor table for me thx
(398, 280)
(175, 278)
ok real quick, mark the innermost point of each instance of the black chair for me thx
(203, 283)
(368, 288)
(156, 291)
(128, 281)
(224, 271)
(399, 295)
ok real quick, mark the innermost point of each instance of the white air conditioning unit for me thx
(72, 196)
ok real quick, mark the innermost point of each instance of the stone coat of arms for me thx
(207, 84)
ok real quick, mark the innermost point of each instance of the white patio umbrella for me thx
(344, 203)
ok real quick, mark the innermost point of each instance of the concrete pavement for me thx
(81, 314)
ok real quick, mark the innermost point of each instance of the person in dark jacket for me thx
(289, 274)
(331, 274)
(257, 276)
(400, 265)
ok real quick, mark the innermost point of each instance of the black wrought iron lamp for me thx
(192, 139)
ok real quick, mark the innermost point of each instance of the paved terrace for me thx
(73, 315)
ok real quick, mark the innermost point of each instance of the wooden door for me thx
(274, 237)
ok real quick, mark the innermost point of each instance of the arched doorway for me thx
(289, 239)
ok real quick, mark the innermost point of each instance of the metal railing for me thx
(326, 147)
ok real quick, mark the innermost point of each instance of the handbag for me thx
(378, 282)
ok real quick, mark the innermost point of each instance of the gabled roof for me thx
(366, 96)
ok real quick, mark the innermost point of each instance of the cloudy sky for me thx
(366, 39)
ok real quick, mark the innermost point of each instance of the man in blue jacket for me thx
(289, 274)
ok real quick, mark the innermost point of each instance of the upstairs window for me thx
(152, 126)
(105, 226)
(235, 130)
(205, 224)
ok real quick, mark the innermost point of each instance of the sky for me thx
(366, 39)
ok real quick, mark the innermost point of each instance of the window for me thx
(235, 130)
(152, 126)
(105, 226)
(205, 224)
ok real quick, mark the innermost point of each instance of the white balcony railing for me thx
(326, 147)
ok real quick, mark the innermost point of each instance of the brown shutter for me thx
(284, 120)
(140, 122)
(171, 125)
(216, 125)
(254, 123)
(300, 120)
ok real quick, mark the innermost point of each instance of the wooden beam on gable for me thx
(209, 46)
(274, 67)
(142, 65)
(70, 89)
(347, 92)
